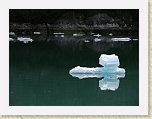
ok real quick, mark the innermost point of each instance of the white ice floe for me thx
(86, 41)
(92, 33)
(12, 33)
(25, 40)
(97, 39)
(121, 39)
(11, 39)
(37, 33)
(97, 35)
(78, 34)
(59, 33)
(62, 36)
(135, 39)
(56, 35)
(110, 34)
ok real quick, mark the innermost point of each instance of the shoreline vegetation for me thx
(70, 21)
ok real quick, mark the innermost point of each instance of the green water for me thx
(39, 72)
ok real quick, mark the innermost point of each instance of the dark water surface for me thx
(39, 72)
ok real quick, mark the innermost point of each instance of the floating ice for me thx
(58, 33)
(86, 41)
(110, 34)
(11, 39)
(110, 63)
(92, 33)
(25, 40)
(36, 33)
(12, 33)
(134, 39)
(97, 39)
(109, 60)
(111, 72)
(121, 39)
(62, 36)
(97, 35)
(78, 34)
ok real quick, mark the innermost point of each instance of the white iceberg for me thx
(62, 36)
(121, 39)
(11, 39)
(58, 33)
(12, 33)
(86, 41)
(109, 60)
(25, 40)
(110, 34)
(97, 35)
(97, 39)
(36, 33)
(78, 34)
(110, 63)
(135, 39)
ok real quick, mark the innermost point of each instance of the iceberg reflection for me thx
(110, 72)
(109, 82)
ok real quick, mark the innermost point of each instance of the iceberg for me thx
(97, 35)
(12, 33)
(78, 34)
(110, 72)
(36, 33)
(121, 39)
(25, 40)
(110, 63)
(97, 39)
(11, 39)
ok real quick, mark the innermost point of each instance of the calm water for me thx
(39, 72)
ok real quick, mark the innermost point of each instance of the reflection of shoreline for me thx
(72, 43)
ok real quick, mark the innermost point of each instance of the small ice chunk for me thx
(97, 35)
(25, 40)
(58, 33)
(97, 39)
(109, 60)
(121, 39)
(110, 34)
(62, 36)
(92, 33)
(86, 41)
(134, 39)
(11, 39)
(36, 33)
(109, 83)
(78, 34)
(12, 33)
